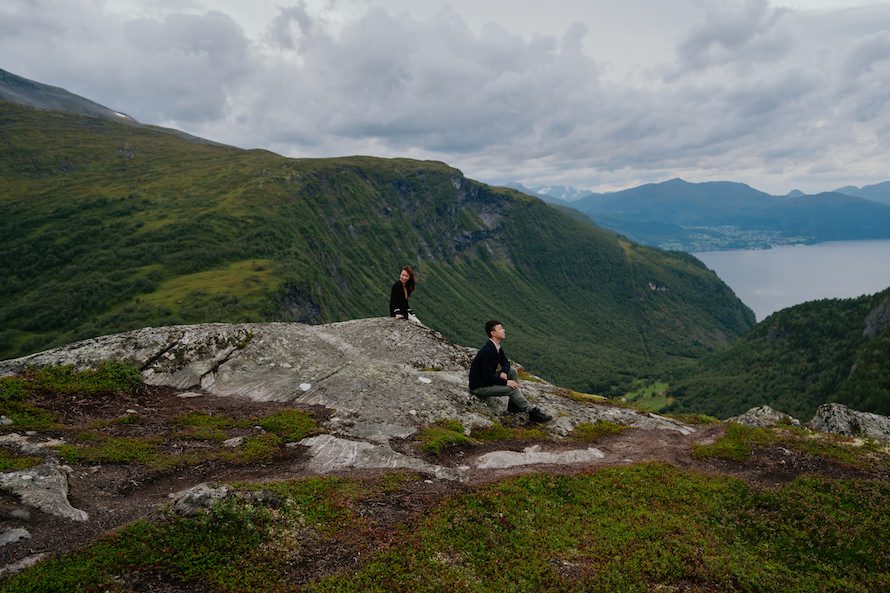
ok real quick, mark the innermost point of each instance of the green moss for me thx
(696, 419)
(208, 427)
(739, 442)
(736, 444)
(443, 435)
(14, 393)
(498, 432)
(10, 462)
(291, 425)
(111, 450)
(592, 432)
(109, 378)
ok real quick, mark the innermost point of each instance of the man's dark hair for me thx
(490, 325)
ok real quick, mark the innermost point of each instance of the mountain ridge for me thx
(879, 192)
(23, 91)
(112, 226)
(707, 216)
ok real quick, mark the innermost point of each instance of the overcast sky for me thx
(597, 94)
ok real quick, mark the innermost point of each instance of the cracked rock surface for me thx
(382, 377)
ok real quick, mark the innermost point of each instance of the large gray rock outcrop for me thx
(839, 419)
(383, 378)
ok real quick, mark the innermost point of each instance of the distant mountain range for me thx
(709, 216)
(108, 225)
(880, 192)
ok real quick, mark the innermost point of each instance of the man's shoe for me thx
(537, 416)
(512, 409)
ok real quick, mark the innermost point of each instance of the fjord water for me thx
(771, 279)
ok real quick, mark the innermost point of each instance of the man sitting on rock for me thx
(492, 376)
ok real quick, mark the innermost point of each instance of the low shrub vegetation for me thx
(10, 462)
(735, 445)
(638, 528)
(739, 442)
(442, 435)
(110, 378)
(27, 401)
(498, 432)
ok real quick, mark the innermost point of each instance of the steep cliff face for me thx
(877, 319)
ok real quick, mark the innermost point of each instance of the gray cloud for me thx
(734, 32)
(773, 97)
(281, 32)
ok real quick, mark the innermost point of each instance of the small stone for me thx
(22, 564)
(234, 442)
(4, 421)
(189, 394)
(11, 536)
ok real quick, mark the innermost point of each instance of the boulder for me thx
(764, 416)
(44, 487)
(839, 419)
(197, 499)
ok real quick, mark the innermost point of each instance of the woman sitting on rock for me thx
(398, 296)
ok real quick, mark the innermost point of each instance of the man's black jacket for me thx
(484, 370)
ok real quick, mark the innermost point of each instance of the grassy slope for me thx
(795, 360)
(108, 227)
(636, 528)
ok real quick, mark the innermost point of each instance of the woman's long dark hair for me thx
(412, 280)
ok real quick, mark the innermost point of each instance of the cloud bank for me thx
(741, 90)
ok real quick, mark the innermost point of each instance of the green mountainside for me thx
(832, 350)
(108, 227)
